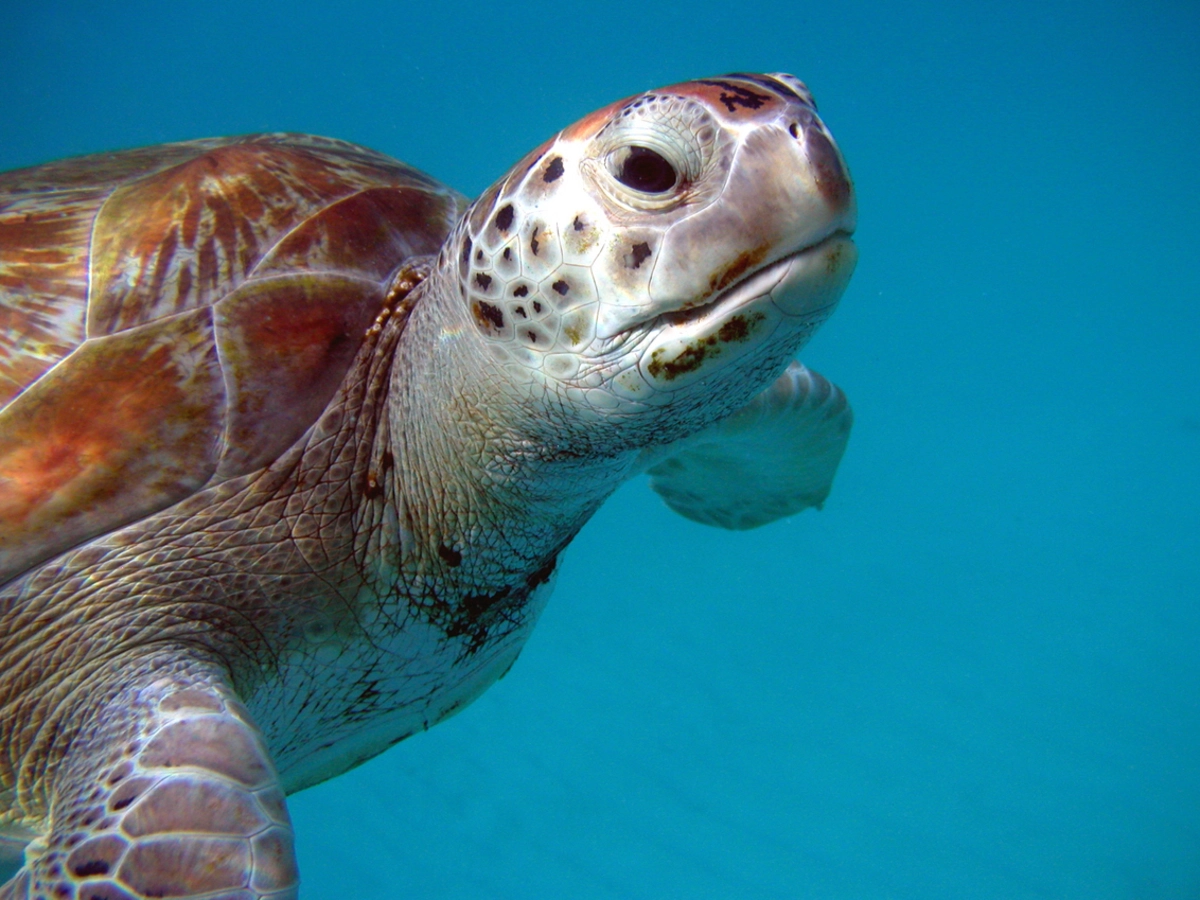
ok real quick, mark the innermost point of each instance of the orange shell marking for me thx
(128, 427)
(171, 317)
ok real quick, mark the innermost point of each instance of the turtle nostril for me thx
(794, 130)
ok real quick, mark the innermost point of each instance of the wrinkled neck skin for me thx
(488, 470)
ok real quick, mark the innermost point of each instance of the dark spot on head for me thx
(483, 280)
(508, 253)
(479, 256)
(578, 223)
(537, 307)
(532, 335)
(520, 311)
(763, 81)
(466, 255)
(488, 315)
(689, 360)
(561, 287)
(520, 291)
(504, 217)
(554, 170)
(736, 329)
(533, 243)
(449, 555)
(735, 95)
(745, 261)
(638, 254)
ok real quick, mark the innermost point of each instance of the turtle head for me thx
(663, 258)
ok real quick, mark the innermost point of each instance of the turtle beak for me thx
(788, 190)
(829, 169)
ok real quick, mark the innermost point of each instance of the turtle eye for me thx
(643, 170)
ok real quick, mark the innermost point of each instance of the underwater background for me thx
(976, 672)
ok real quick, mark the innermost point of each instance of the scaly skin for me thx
(168, 791)
(406, 596)
(387, 568)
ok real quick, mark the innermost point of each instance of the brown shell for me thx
(174, 316)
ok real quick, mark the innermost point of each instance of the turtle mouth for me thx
(779, 305)
(822, 258)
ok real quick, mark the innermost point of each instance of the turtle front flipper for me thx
(168, 792)
(772, 458)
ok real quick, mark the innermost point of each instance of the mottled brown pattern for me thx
(46, 216)
(175, 229)
(102, 171)
(746, 261)
(183, 238)
(43, 282)
(130, 425)
(285, 344)
(366, 234)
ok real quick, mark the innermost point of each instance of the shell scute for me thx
(43, 283)
(289, 339)
(184, 237)
(152, 300)
(365, 234)
(131, 425)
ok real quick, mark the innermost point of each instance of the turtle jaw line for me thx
(735, 295)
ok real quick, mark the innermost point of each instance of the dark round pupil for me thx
(644, 170)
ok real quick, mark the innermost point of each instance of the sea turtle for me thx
(292, 439)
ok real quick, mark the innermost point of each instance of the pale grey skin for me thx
(281, 628)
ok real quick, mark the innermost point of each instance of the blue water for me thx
(976, 673)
